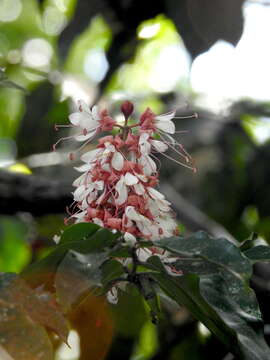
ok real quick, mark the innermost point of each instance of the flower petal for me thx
(83, 137)
(75, 118)
(112, 295)
(90, 156)
(139, 189)
(165, 117)
(144, 143)
(83, 106)
(155, 194)
(130, 179)
(160, 146)
(117, 161)
(149, 166)
(132, 214)
(121, 189)
(98, 221)
(95, 113)
(130, 239)
(166, 126)
(80, 180)
(83, 168)
(80, 193)
(99, 185)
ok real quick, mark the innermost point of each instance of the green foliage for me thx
(209, 276)
(218, 295)
(15, 253)
(214, 286)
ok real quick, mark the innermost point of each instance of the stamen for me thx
(178, 162)
(174, 148)
(64, 138)
(87, 142)
(193, 116)
(157, 159)
(185, 151)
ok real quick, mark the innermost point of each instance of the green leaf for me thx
(206, 254)
(223, 302)
(77, 232)
(258, 253)
(76, 275)
(129, 314)
(111, 269)
(44, 270)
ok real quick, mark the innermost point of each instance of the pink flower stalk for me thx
(117, 187)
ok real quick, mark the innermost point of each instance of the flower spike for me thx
(116, 189)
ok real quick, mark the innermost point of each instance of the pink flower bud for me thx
(127, 109)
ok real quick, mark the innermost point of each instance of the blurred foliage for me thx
(15, 252)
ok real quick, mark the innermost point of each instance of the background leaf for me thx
(220, 296)
(258, 253)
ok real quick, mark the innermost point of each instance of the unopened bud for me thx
(127, 109)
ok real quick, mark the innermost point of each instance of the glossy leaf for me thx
(76, 275)
(44, 270)
(258, 253)
(129, 314)
(78, 232)
(206, 254)
(111, 269)
(222, 301)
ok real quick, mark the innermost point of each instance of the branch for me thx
(34, 194)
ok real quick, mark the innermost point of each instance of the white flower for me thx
(117, 161)
(130, 179)
(98, 221)
(56, 238)
(130, 239)
(86, 120)
(149, 166)
(91, 156)
(143, 254)
(122, 187)
(122, 191)
(139, 189)
(160, 146)
(112, 295)
(132, 214)
(144, 143)
(155, 194)
(163, 122)
(168, 225)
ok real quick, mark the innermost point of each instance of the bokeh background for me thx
(199, 56)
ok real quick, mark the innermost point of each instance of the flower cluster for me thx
(117, 187)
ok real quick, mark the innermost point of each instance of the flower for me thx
(88, 123)
(152, 122)
(117, 187)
